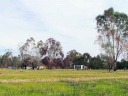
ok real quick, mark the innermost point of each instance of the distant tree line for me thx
(112, 28)
(50, 55)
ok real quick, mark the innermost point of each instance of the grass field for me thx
(63, 83)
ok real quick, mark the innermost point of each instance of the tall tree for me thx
(96, 63)
(16, 61)
(7, 59)
(72, 58)
(0, 60)
(50, 51)
(113, 30)
(29, 52)
(87, 59)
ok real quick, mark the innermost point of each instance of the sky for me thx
(72, 22)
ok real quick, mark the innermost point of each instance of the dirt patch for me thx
(59, 79)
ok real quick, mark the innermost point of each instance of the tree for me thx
(0, 60)
(113, 33)
(72, 58)
(16, 61)
(87, 59)
(82, 59)
(50, 51)
(7, 59)
(96, 63)
(29, 53)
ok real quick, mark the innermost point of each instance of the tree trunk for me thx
(109, 67)
(115, 66)
(25, 67)
(32, 67)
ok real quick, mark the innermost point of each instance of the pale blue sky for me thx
(72, 22)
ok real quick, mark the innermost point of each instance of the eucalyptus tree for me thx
(40, 46)
(50, 51)
(97, 63)
(28, 53)
(0, 60)
(87, 58)
(113, 35)
(7, 59)
(73, 58)
(16, 61)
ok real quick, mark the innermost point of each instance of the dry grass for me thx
(59, 75)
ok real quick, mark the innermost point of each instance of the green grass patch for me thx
(66, 88)
(63, 83)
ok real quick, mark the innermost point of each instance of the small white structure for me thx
(82, 67)
(40, 67)
(28, 68)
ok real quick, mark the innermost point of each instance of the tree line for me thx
(112, 28)
(49, 54)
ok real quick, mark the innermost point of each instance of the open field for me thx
(63, 83)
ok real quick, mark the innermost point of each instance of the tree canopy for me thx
(113, 34)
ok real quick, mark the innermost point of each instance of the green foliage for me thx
(7, 59)
(122, 65)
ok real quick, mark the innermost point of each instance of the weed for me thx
(125, 86)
